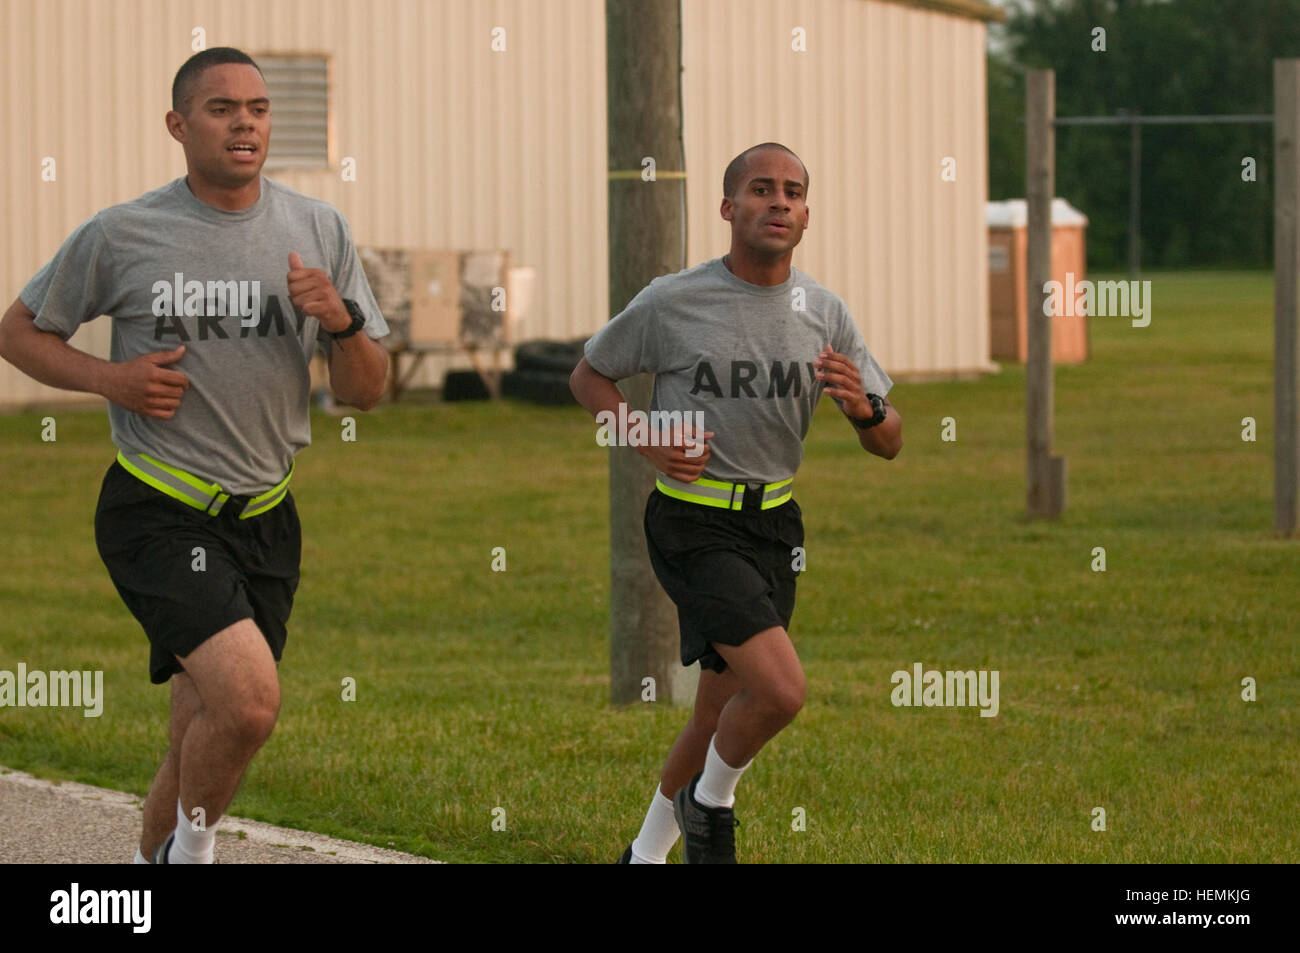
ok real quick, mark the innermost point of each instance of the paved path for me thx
(48, 822)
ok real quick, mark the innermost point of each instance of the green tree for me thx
(1160, 57)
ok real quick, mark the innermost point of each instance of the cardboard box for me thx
(435, 298)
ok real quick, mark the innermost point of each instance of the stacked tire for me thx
(464, 385)
(542, 369)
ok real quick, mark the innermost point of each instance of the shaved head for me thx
(734, 177)
(187, 78)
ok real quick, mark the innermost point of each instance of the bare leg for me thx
(686, 759)
(223, 710)
(772, 690)
(160, 805)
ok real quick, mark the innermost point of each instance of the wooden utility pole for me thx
(1286, 263)
(1045, 496)
(647, 238)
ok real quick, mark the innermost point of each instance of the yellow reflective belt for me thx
(774, 494)
(190, 490)
(268, 500)
(726, 496)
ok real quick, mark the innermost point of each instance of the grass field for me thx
(476, 690)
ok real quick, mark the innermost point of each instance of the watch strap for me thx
(358, 321)
(878, 417)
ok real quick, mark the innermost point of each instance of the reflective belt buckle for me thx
(220, 500)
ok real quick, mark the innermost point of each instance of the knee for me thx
(255, 725)
(251, 722)
(784, 700)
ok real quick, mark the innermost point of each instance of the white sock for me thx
(140, 858)
(190, 846)
(658, 832)
(717, 788)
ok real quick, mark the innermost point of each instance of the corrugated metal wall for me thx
(458, 146)
(881, 95)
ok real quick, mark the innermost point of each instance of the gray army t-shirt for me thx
(742, 355)
(245, 414)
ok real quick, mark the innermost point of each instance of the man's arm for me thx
(843, 382)
(358, 371)
(142, 385)
(594, 390)
(598, 394)
(885, 439)
(358, 366)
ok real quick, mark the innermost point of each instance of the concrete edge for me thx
(257, 832)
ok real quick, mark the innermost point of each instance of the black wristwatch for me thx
(358, 321)
(877, 417)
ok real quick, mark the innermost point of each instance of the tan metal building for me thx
(482, 125)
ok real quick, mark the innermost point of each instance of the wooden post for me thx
(1135, 197)
(1045, 495)
(1286, 263)
(647, 238)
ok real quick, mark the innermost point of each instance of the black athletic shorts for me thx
(249, 567)
(730, 572)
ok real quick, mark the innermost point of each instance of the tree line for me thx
(1206, 190)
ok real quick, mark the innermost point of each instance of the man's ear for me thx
(175, 125)
(726, 209)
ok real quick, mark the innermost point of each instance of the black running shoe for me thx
(708, 833)
(627, 856)
(160, 855)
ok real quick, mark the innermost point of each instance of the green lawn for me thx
(476, 690)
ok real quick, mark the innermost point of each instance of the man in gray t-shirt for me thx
(219, 286)
(742, 355)
(742, 348)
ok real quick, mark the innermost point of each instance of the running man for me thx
(220, 285)
(751, 343)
